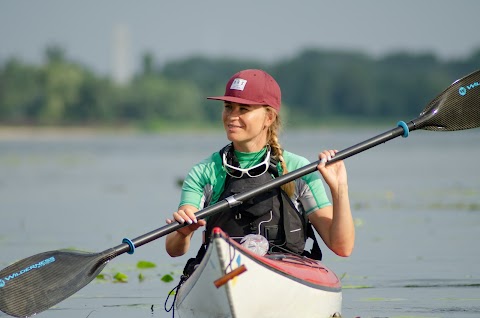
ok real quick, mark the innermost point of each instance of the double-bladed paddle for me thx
(38, 282)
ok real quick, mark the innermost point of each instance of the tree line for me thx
(316, 85)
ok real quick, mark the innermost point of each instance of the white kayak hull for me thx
(263, 287)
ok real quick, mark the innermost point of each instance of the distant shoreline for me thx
(40, 132)
(23, 132)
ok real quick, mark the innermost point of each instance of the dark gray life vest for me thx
(270, 214)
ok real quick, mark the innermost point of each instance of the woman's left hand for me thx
(334, 174)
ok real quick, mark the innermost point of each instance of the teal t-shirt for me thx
(205, 182)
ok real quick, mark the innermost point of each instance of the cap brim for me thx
(235, 100)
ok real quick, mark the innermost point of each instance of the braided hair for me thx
(277, 151)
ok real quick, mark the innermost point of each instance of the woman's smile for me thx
(234, 126)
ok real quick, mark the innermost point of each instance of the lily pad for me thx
(167, 278)
(121, 277)
(146, 264)
(356, 286)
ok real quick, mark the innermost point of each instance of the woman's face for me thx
(247, 125)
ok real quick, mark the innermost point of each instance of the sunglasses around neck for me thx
(253, 172)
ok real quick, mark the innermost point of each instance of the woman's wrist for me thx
(339, 190)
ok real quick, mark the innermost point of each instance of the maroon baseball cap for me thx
(252, 87)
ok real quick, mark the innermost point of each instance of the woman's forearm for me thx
(342, 230)
(177, 244)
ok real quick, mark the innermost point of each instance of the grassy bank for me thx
(161, 127)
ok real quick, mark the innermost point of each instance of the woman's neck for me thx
(252, 145)
(249, 147)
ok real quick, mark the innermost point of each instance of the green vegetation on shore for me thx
(318, 87)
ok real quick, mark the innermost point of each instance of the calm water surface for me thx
(416, 204)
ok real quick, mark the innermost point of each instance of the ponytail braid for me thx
(277, 151)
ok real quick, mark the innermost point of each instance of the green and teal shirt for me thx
(205, 182)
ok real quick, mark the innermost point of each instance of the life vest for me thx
(271, 214)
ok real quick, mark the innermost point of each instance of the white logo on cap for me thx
(238, 84)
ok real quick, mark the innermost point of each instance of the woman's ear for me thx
(270, 117)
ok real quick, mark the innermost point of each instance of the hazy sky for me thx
(266, 30)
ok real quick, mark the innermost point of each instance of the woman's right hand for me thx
(186, 214)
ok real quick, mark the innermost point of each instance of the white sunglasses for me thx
(253, 172)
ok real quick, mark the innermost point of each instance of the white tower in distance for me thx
(121, 55)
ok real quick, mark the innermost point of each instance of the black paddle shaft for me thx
(456, 108)
(237, 199)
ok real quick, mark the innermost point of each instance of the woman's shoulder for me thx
(293, 160)
(213, 158)
(207, 167)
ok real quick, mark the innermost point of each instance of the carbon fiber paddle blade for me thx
(36, 283)
(457, 108)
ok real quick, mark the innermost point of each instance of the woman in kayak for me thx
(251, 107)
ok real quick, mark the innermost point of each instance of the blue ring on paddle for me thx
(130, 243)
(406, 131)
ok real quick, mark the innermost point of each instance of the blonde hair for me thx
(277, 151)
